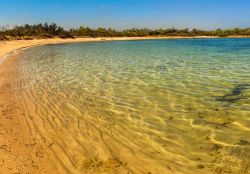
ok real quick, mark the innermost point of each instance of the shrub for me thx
(3, 37)
(67, 35)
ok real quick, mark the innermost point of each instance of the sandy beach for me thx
(124, 87)
(20, 150)
(10, 46)
(25, 151)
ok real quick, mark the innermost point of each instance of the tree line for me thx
(53, 30)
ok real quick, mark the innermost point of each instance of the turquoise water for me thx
(158, 106)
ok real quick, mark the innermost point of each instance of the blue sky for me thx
(120, 14)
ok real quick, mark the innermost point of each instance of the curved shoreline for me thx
(7, 47)
(25, 151)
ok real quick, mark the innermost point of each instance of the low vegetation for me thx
(53, 30)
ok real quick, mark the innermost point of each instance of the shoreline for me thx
(21, 150)
(7, 47)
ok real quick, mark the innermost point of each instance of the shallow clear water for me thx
(142, 106)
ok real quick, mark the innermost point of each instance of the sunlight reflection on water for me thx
(159, 105)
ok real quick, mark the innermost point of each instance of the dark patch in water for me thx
(230, 99)
(243, 142)
(238, 89)
(235, 94)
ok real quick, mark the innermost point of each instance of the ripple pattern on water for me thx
(158, 106)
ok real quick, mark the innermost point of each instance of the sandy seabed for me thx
(20, 151)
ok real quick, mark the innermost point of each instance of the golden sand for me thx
(10, 46)
(21, 151)
(25, 152)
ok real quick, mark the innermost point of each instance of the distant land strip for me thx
(44, 31)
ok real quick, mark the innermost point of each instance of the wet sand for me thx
(20, 152)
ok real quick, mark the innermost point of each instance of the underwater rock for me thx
(235, 94)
